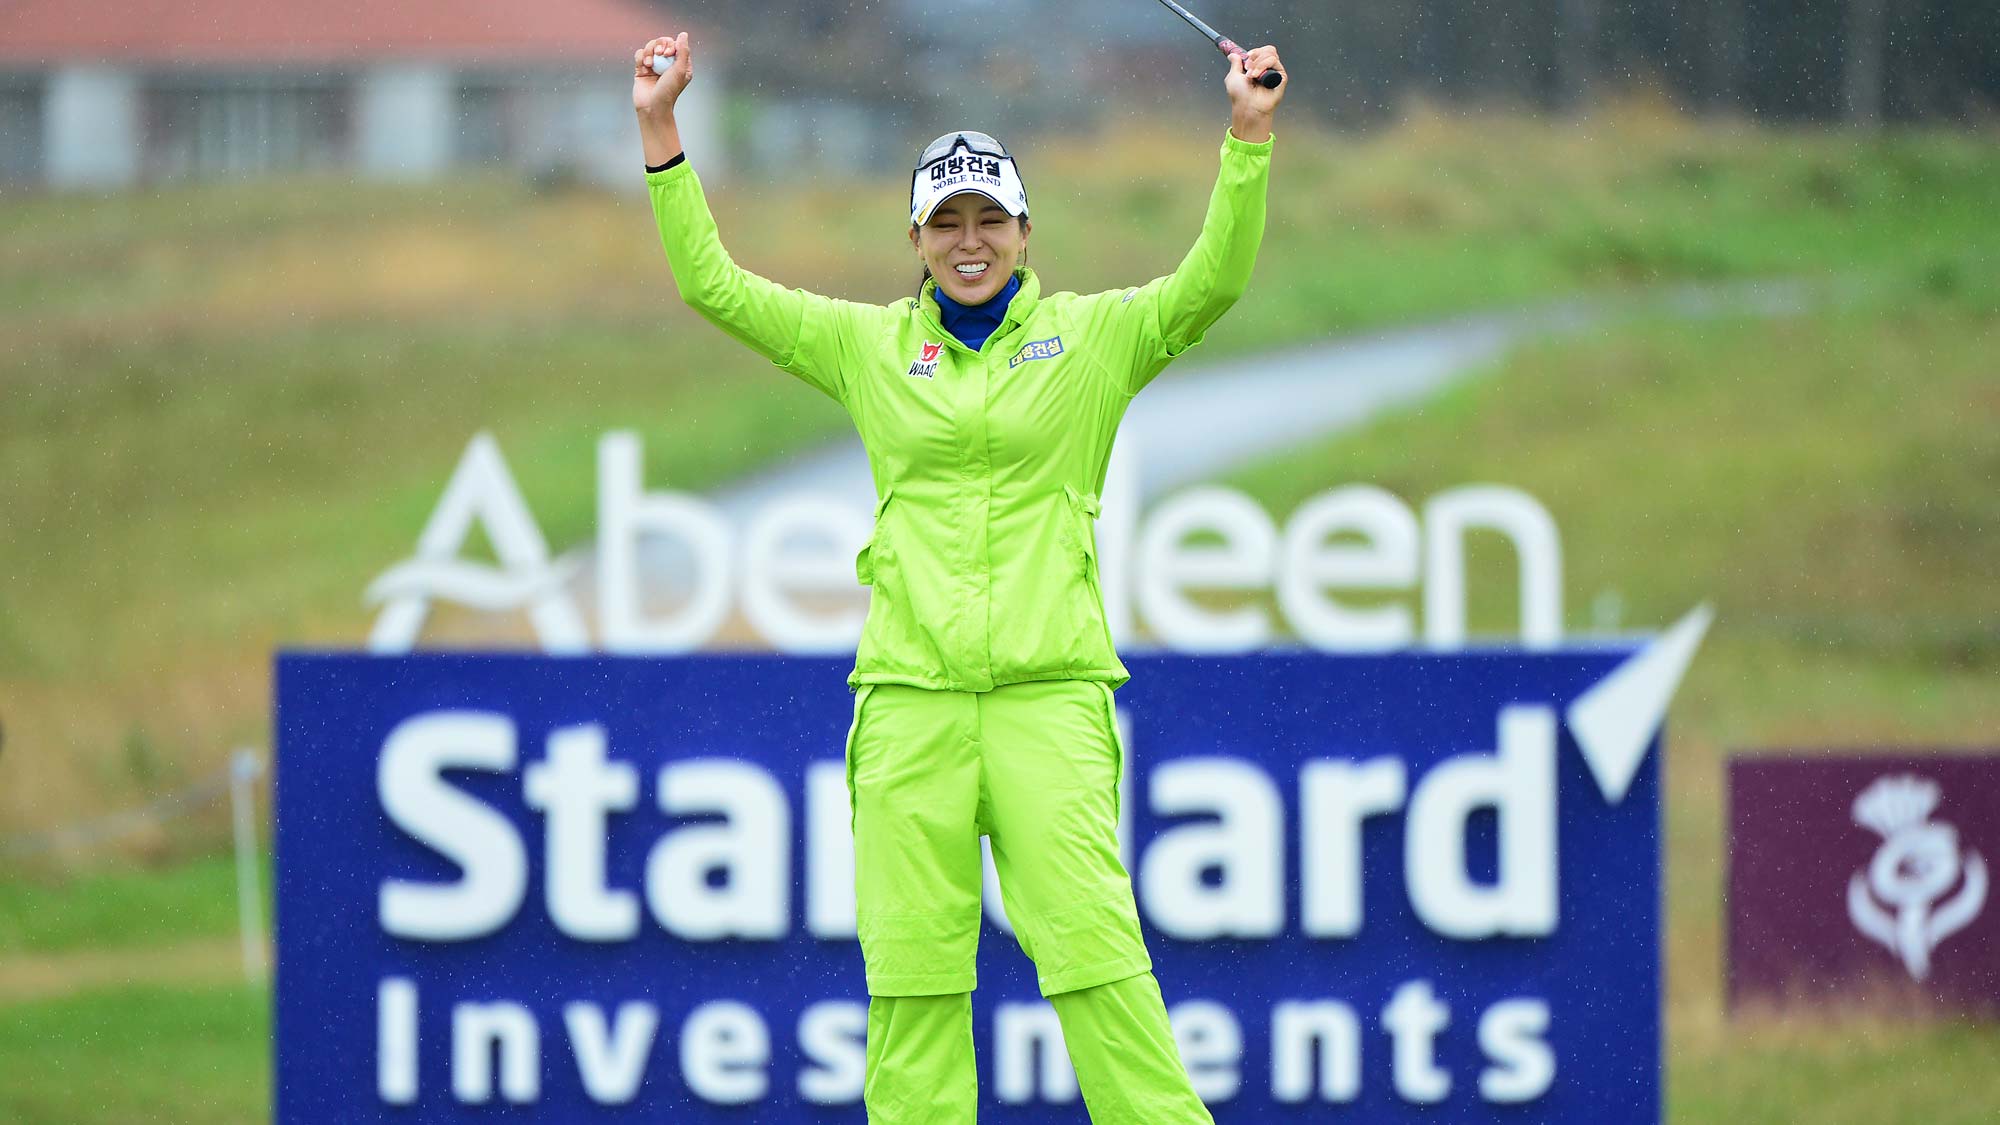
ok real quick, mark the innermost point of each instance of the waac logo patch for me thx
(927, 360)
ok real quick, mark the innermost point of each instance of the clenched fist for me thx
(1250, 104)
(656, 93)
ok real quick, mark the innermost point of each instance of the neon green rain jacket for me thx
(987, 464)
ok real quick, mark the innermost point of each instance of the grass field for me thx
(163, 1055)
(1839, 508)
(228, 408)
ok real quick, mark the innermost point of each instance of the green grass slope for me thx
(226, 408)
(1831, 483)
(1827, 481)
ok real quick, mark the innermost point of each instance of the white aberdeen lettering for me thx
(798, 591)
(1313, 565)
(1242, 562)
(803, 545)
(625, 512)
(481, 492)
(1527, 525)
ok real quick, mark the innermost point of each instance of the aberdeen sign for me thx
(801, 548)
(1378, 885)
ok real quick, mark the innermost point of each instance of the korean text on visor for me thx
(967, 161)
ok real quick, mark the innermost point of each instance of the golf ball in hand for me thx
(662, 63)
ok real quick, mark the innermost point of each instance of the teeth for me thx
(971, 271)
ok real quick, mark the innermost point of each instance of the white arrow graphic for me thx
(1616, 719)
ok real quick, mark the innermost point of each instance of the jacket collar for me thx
(1018, 310)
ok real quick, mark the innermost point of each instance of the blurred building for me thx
(863, 86)
(111, 93)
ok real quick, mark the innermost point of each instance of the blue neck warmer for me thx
(972, 324)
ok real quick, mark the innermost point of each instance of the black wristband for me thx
(679, 158)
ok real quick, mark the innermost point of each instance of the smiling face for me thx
(972, 246)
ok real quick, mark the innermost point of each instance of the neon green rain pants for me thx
(1034, 766)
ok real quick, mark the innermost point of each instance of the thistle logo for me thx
(1918, 861)
(927, 361)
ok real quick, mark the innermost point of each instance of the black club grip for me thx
(1269, 79)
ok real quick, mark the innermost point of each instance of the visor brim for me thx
(920, 217)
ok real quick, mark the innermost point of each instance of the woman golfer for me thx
(985, 671)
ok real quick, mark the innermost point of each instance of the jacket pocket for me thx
(1116, 737)
(847, 754)
(1094, 647)
(864, 561)
(1084, 509)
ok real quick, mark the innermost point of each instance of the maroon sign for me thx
(1865, 877)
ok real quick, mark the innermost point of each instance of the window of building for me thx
(484, 123)
(210, 125)
(20, 132)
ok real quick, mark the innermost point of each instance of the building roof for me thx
(257, 32)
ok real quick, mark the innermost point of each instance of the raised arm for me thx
(1169, 315)
(801, 332)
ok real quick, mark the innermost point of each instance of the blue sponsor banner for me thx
(1376, 888)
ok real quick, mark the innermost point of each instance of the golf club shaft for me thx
(1223, 43)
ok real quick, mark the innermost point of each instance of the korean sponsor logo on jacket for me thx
(1040, 349)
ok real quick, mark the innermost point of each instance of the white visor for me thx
(962, 169)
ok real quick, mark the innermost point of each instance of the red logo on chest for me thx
(927, 361)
